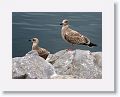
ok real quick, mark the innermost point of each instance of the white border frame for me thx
(104, 84)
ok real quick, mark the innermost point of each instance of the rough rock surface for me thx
(31, 66)
(63, 77)
(77, 64)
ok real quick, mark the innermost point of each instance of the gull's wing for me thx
(42, 51)
(73, 32)
(75, 37)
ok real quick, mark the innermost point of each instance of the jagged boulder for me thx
(78, 63)
(62, 77)
(31, 66)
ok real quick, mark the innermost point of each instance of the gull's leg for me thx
(71, 48)
(73, 61)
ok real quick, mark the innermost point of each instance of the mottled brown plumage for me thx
(73, 36)
(41, 51)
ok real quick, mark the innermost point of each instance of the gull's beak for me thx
(61, 23)
(30, 40)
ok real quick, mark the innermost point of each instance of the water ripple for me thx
(52, 25)
(36, 29)
(27, 24)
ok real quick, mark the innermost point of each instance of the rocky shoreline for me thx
(76, 64)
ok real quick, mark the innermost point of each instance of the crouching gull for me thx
(41, 51)
(74, 37)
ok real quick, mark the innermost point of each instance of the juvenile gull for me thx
(41, 51)
(74, 37)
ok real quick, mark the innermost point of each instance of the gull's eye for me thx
(33, 39)
(66, 21)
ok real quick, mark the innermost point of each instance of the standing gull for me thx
(41, 51)
(74, 37)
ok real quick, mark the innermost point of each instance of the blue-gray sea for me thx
(46, 27)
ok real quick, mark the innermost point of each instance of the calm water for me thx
(45, 26)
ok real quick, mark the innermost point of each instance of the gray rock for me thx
(31, 66)
(53, 57)
(78, 63)
(63, 77)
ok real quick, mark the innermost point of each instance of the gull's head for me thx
(64, 22)
(34, 40)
